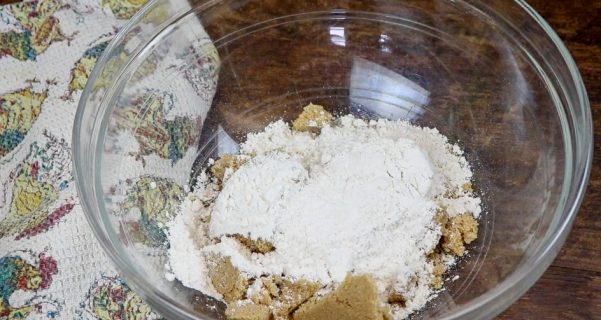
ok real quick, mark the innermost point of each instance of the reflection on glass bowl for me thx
(186, 81)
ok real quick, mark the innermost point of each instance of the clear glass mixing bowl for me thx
(185, 81)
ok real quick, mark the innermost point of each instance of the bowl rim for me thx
(495, 300)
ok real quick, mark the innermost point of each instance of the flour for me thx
(359, 197)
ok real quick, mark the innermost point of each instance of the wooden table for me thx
(571, 287)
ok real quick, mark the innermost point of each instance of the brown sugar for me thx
(396, 298)
(264, 296)
(283, 295)
(458, 231)
(292, 295)
(468, 226)
(271, 286)
(247, 311)
(313, 118)
(438, 270)
(355, 299)
(268, 291)
(255, 246)
(227, 280)
(280, 296)
(227, 161)
(468, 188)
(441, 218)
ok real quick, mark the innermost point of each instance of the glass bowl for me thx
(185, 81)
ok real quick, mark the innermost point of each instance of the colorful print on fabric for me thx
(36, 185)
(18, 111)
(26, 272)
(157, 200)
(111, 299)
(38, 29)
(83, 67)
(201, 68)
(146, 119)
(123, 9)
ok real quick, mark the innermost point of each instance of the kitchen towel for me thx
(51, 265)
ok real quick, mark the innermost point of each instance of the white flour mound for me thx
(360, 197)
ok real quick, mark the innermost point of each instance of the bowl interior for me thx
(186, 81)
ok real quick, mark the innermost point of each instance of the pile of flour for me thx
(359, 197)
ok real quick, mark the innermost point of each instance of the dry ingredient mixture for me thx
(327, 219)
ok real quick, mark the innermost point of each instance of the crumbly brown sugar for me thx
(313, 118)
(355, 299)
(227, 161)
(255, 246)
(227, 280)
(248, 311)
(438, 270)
(457, 232)
(279, 296)
(292, 295)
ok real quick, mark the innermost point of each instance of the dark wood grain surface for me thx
(571, 287)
